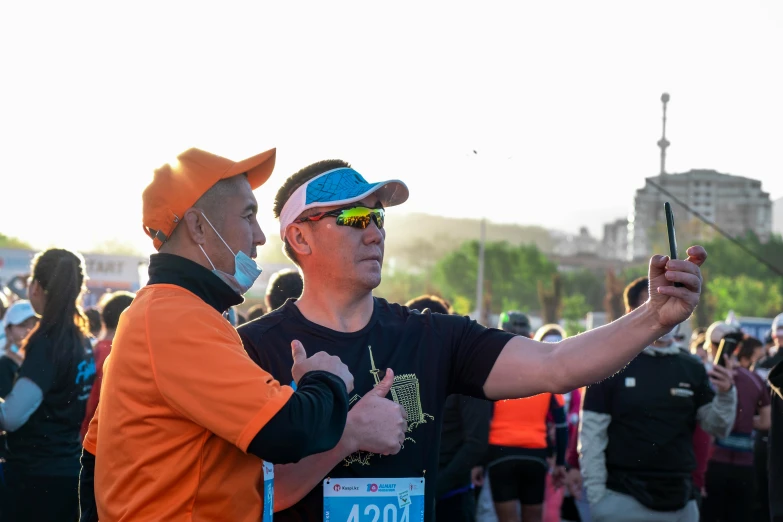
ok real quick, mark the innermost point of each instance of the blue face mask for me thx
(245, 272)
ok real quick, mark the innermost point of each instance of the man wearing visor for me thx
(331, 222)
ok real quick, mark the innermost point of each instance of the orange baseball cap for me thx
(176, 187)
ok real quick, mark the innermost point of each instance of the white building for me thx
(571, 245)
(615, 242)
(733, 203)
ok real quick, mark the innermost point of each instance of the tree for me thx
(575, 308)
(13, 242)
(727, 259)
(551, 300)
(588, 283)
(512, 273)
(745, 295)
(401, 287)
(613, 302)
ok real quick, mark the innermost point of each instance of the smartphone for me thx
(672, 236)
(728, 345)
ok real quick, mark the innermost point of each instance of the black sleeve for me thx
(8, 369)
(88, 511)
(475, 415)
(561, 430)
(474, 350)
(37, 365)
(312, 421)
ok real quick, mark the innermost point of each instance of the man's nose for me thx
(373, 234)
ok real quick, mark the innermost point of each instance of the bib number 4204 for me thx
(372, 513)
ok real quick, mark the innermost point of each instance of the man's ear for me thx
(195, 225)
(299, 236)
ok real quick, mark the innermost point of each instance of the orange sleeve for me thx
(560, 399)
(204, 373)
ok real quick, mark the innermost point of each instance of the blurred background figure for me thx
(4, 304)
(19, 320)
(772, 357)
(256, 311)
(45, 409)
(750, 351)
(518, 453)
(775, 501)
(515, 322)
(464, 440)
(283, 285)
(569, 503)
(94, 319)
(730, 474)
(636, 440)
(112, 306)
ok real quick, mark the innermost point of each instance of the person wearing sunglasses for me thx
(332, 226)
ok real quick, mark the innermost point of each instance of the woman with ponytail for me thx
(44, 411)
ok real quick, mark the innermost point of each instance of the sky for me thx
(560, 100)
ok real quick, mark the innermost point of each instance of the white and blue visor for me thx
(340, 186)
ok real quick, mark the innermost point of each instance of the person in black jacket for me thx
(775, 447)
(464, 441)
(636, 437)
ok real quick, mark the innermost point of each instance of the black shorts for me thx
(518, 474)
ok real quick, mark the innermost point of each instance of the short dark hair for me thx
(256, 311)
(635, 293)
(94, 320)
(283, 285)
(433, 302)
(117, 302)
(747, 347)
(294, 182)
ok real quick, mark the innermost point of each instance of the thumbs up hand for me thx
(320, 361)
(376, 424)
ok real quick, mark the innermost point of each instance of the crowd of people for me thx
(171, 404)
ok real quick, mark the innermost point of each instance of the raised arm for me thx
(527, 367)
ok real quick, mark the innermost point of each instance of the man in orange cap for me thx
(185, 416)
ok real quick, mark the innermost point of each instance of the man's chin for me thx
(370, 281)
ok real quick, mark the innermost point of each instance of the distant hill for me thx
(777, 216)
(419, 240)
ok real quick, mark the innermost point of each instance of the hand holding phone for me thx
(727, 347)
(672, 236)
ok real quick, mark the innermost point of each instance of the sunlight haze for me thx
(560, 100)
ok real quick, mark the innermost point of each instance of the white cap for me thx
(18, 313)
(716, 332)
(777, 323)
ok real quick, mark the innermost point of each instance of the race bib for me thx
(269, 492)
(374, 500)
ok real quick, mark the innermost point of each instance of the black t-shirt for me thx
(432, 356)
(49, 442)
(653, 404)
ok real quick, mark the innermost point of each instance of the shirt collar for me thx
(177, 270)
